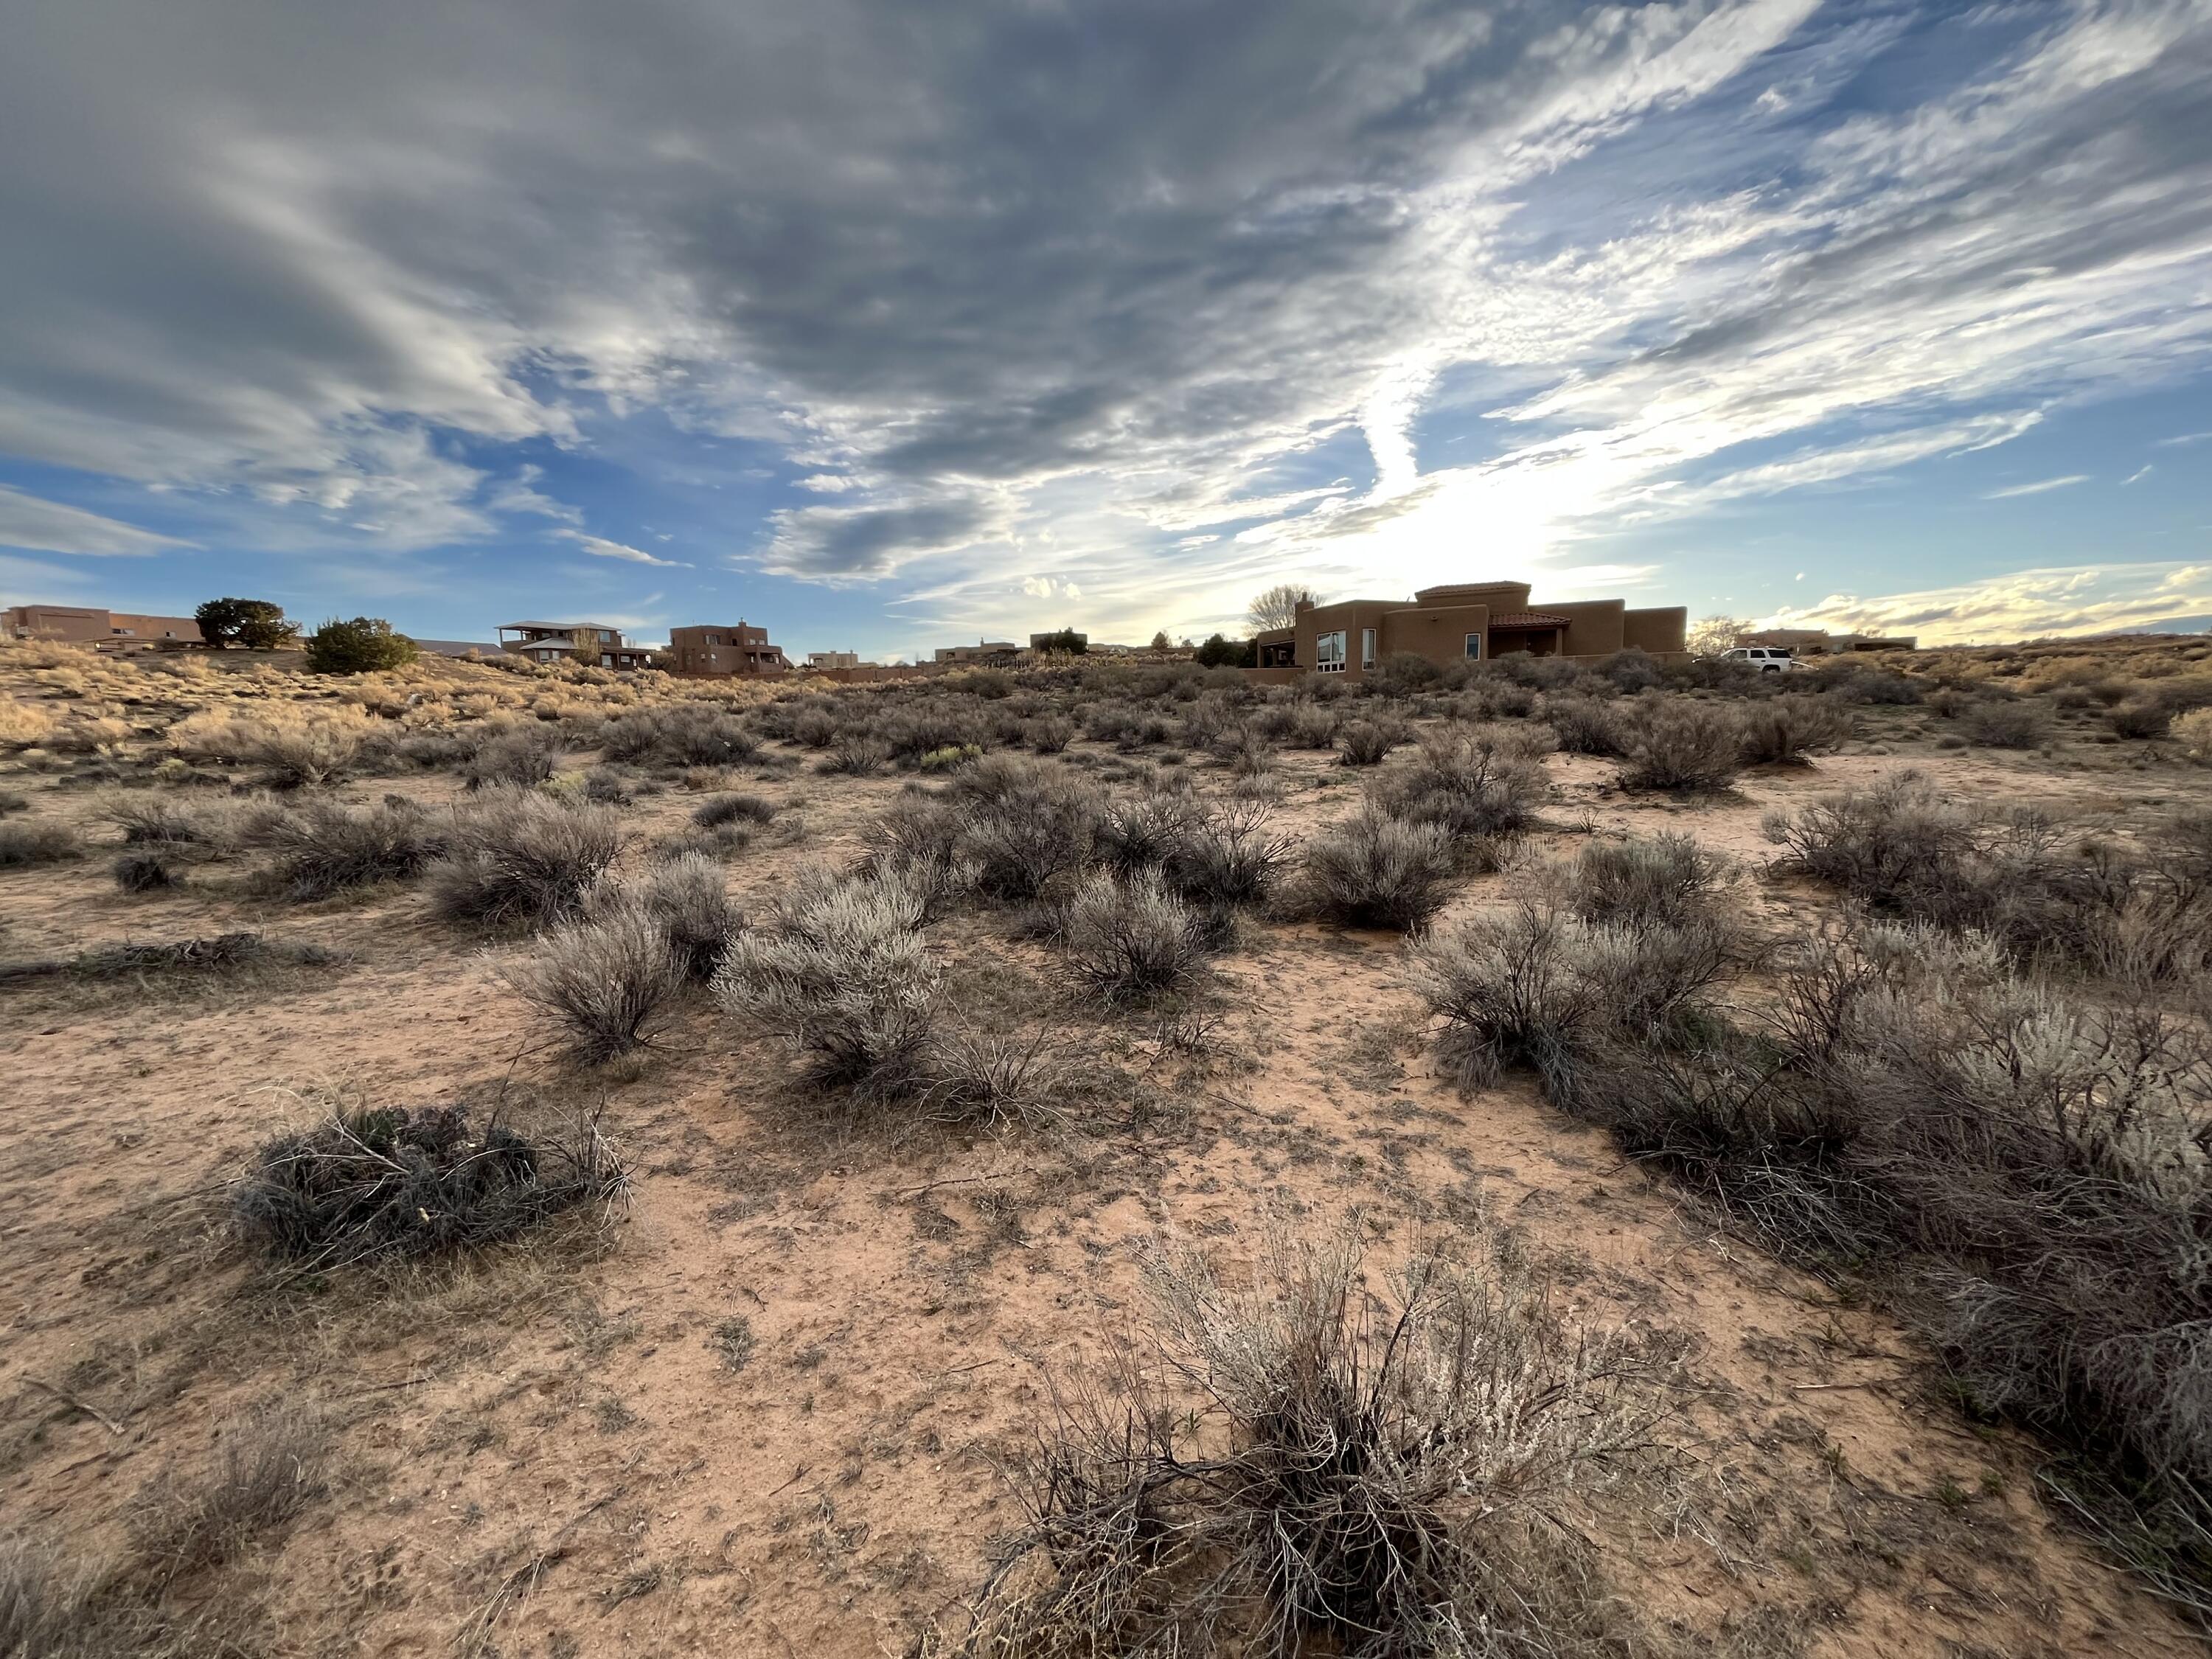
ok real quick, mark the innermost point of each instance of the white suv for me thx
(1766, 659)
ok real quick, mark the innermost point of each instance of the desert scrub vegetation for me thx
(1785, 731)
(2140, 913)
(680, 735)
(1368, 743)
(1318, 1463)
(293, 747)
(1131, 939)
(267, 1467)
(687, 898)
(517, 857)
(840, 972)
(1377, 869)
(1681, 744)
(522, 758)
(603, 981)
(1476, 783)
(384, 1183)
(327, 847)
(25, 842)
(1664, 881)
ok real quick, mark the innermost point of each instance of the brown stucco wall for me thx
(1438, 635)
(1659, 629)
(1594, 626)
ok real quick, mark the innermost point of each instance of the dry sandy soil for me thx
(547, 1450)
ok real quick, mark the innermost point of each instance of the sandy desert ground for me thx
(778, 1401)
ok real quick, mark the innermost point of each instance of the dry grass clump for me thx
(857, 754)
(1370, 1470)
(517, 856)
(839, 971)
(1784, 731)
(1047, 734)
(1377, 869)
(2194, 731)
(679, 735)
(1021, 824)
(2006, 725)
(1216, 857)
(1681, 744)
(293, 747)
(719, 810)
(267, 1468)
(147, 871)
(326, 847)
(994, 1077)
(391, 1182)
(1131, 939)
(25, 842)
(522, 758)
(23, 725)
(605, 981)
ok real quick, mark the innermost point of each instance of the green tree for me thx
(360, 647)
(1065, 640)
(1220, 652)
(257, 624)
(1160, 641)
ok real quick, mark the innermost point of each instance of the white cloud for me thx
(2139, 474)
(520, 493)
(30, 521)
(2040, 486)
(601, 548)
(2023, 605)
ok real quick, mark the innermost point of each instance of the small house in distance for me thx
(594, 645)
(103, 630)
(1464, 622)
(833, 660)
(718, 648)
(1003, 653)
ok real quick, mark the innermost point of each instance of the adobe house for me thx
(713, 648)
(1464, 622)
(103, 630)
(593, 644)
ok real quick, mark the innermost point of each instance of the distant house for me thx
(104, 630)
(1818, 642)
(594, 645)
(1464, 621)
(833, 660)
(454, 648)
(983, 651)
(718, 648)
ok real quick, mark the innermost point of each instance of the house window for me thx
(714, 639)
(606, 637)
(607, 659)
(1367, 648)
(1474, 647)
(1328, 653)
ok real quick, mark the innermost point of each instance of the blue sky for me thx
(891, 326)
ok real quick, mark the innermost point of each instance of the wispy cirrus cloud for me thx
(2040, 486)
(27, 522)
(2022, 604)
(601, 548)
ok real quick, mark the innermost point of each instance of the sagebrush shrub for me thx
(38, 840)
(1666, 881)
(1131, 939)
(2141, 720)
(605, 981)
(841, 972)
(1782, 731)
(326, 847)
(719, 810)
(689, 901)
(1475, 784)
(1585, 725)
(1374, 869)
(1368, 743)
(1993, 724)
(522, 758)
(523, 857)
(1676, 743)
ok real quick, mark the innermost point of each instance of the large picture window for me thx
(1474, 647)
(1328, 653)
(1367, 648)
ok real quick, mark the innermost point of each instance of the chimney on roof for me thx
(1303, 606)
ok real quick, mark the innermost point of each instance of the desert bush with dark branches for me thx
(1365, 1468)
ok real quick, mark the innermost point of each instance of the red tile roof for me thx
(1526, 619)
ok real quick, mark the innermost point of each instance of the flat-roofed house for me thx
(594, 645)
(104, 630)
(719, 649)
(1464, 622)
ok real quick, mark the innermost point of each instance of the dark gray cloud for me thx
(996, 266)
